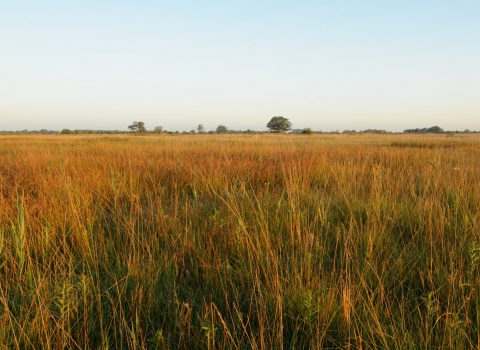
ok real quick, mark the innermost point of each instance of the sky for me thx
(327, 65)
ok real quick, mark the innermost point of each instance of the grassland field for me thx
(240, 242)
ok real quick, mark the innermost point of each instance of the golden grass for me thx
(239, 242)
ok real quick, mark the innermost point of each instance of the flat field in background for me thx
(240, 242)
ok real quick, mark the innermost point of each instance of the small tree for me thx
(435, 129)
(138, 127)
(307, 131)
(279, 124)
(66, 131)
(158, 130)
(222, 129)
(200, 129)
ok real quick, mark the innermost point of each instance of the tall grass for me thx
(239, 242)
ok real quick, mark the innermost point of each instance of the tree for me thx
(279, 124)
(158, 130)
(307, 131)
(138, 127)
(200, 129)
(66, 131)
(222, 129)
(435, 129)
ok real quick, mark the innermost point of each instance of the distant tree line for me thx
(433, 129)
(25, 131)
(277, 124)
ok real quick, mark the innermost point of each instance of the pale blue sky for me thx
(323, 64)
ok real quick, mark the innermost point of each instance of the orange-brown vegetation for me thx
(240, 242)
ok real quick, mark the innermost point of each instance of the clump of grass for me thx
(238, 242)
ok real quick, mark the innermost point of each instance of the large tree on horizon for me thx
(138, 127)
(279, 124)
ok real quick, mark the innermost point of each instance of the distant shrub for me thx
(222, 129)
(307, 131)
